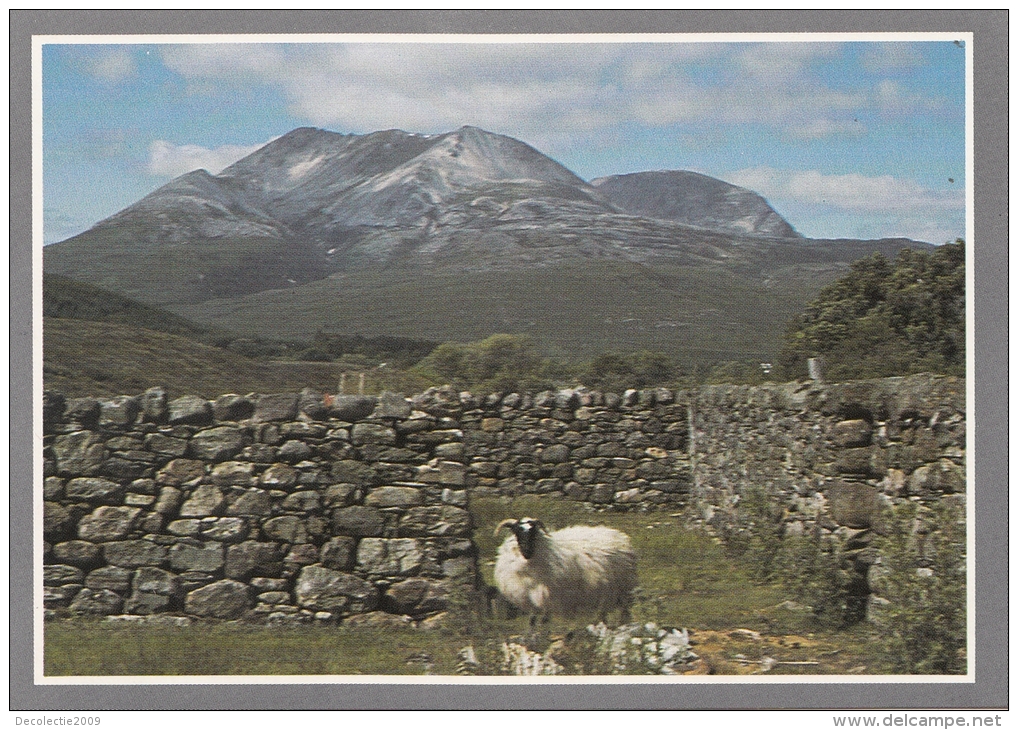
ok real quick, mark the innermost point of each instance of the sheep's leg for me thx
(535, 618)
(531, 638)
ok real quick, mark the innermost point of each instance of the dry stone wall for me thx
(627, 451)
(833, 454)
(308, 507)
(831, 457)
(283, 508)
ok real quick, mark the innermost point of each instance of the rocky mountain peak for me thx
(694, 199)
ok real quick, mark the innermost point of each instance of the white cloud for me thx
(772, 63)
(529, 90)
(822, 128)
(852, 191)
(113, 66)
(169, 160)
(863, 206)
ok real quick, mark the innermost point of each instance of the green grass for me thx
(124, 259)
(686, 580)
(90, 647)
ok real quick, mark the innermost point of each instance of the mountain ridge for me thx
(315, 215)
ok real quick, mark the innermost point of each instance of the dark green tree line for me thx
(886, 318)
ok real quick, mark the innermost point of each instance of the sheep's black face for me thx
(526, 535)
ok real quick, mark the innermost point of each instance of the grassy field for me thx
(686, 580)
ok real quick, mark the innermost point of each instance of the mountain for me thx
(457, 236)
(696, 200)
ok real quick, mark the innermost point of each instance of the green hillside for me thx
(66, 298)
(83, 358)
(697, 315)
(124, 259)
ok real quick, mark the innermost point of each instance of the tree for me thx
(500, 363)
(886, 318)
(616, 371)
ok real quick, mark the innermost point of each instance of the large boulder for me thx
(181, 472)
(202, 557)
(57, 521)
(97, 602)
(349, 471)
(251, 558)
(256, 502)
(120, 411)
(435, 521)
(352, 408)
(155, 405)
(394, 497)
(276, 407)
(58, 575)
(416, 596)
(854, 504)
(190, 410)
(339, 553)
(358, 521)
(134, 553)
(95, 489)
(287, 528)
(154, 590)
(110, 578)
(372, 433)
(390, 557)
(279, 476)
(53, 405)
(204, 501)
(392, 405)
(232, 408)
(80, 553)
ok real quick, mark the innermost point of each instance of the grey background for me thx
(990, 418)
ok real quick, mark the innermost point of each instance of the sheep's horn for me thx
(503, 523)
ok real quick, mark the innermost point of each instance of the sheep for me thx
(571, 571)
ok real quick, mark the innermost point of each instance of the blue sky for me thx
(845, 139)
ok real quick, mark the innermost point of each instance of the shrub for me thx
(813, 570)
(755, 533)
(818, 575)
(614, 371)
(923, 577)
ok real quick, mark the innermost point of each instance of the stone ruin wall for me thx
(300, 508)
